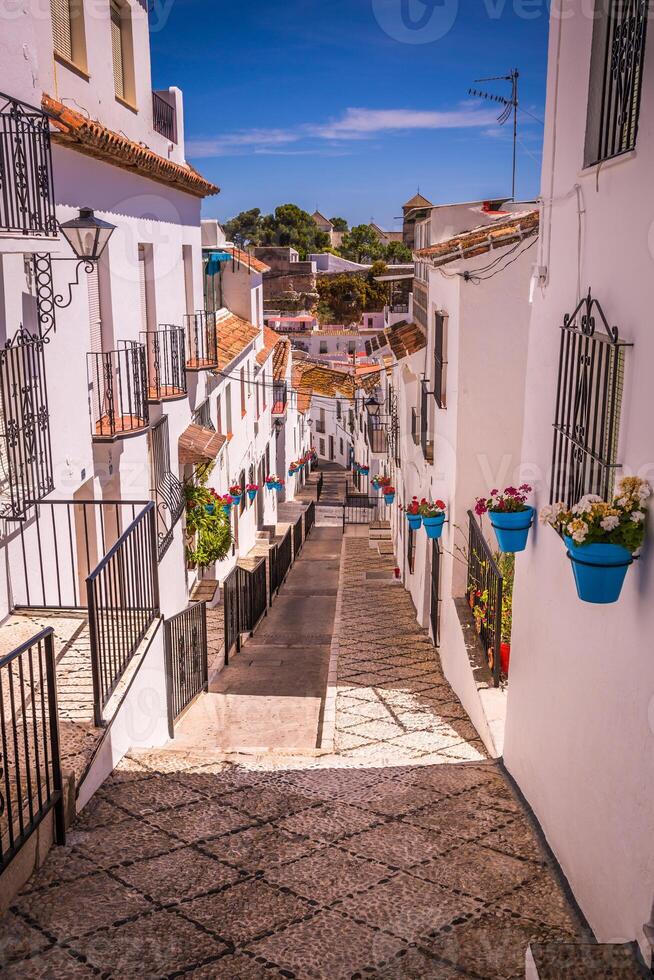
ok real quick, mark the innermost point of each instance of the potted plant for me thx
(236, 492)
(208, 531)
(364, 470)
(227, 502)
(510, 516)
(389, 494)
(433, 517)
(252, 490)
(271, 481)
(413, 515)
(602, 537)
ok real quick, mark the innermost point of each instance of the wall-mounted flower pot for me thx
(227, 508)
(210, 508)
(252, 494)
(512, 529)
(279, 487)
(505, 656)
(415, 520)
(236, 499)
(434, 526)
(364, 471)
(389, 498)
(599, 570)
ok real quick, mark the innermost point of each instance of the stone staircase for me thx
(380, 538)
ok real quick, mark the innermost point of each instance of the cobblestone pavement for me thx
(403, 854)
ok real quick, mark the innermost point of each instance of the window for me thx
(351, 347)
(323, 346)
(187, 263)
(146, 287)
(331, 447)
(68, 31)
(338, 408)
(616, 78)
(228, 409)
(588, 402)
(439, 360)
(219, 415)
(341, 448)
(321, 444)
(122, 52)
(411, 550)
(243, 402)
(415, 427)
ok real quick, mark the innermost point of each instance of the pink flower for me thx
(493, 493)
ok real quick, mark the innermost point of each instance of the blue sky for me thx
(350, 105)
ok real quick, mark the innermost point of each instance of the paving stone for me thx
(397, 844)
(329, 822)
(466, 869)
(247, 910)
(236, 966)
(259, 848)
(152, 945)
(327, 875)
(182, 874)
(265, 803)
(53, 964)
(140, 797)
(128, 840)
(199, 821)
(19, 939)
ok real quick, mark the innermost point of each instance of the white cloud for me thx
(354, 124)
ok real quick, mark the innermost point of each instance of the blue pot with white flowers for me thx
(434, 526)
(599, 570)
(512, 528)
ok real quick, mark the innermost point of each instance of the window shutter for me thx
(117, 50)
(61, 30)
(142, 289)
(95, 319)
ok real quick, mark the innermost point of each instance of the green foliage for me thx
(361, 244)
(339, 224)
(291, 226)
(343, 298)
(245, 228)
(397, 253)
(208, 534)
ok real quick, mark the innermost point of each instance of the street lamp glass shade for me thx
(87, 235)
(373, 406)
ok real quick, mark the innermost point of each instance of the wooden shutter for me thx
(117, 50)
(143, 289)
(61, 30)
(95, 318)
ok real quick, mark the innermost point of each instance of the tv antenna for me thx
(509, 105)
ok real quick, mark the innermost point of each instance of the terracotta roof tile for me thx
(245, 258)
(511, 228)
(234, 335)
(312, 378)
(281, 355)
(73, 129)
(405, 338)
(270, 341)
(199, 445)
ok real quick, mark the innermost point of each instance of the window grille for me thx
(167, 492)
(439, 360)
(588, 402)
(411, 550)
(616, 78)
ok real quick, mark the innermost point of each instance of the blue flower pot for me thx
(252, 494)
(210, 508)
(415, 520)
(227, 508)
(291, 472)
(599, 570)
(433, 526)
(279, 486)
(512, 530)
(236, 499)
(389, 498)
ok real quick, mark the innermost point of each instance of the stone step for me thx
(584, 961)
(386, 548)
(380, 525)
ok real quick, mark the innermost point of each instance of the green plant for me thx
(208, 527)
(594, 521)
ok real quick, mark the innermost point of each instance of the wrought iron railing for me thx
(201, 341)
(187, 671)
(165, 352)
(426, 444)
(320, 426)
(297, 537)
(167, 489)
(123, 602)
(30, 767)
(164, 118)
(279, 398)
(245, 601)
(281, 558)
(118, 391)
(484, 590)
(435, 592)
(26, 470)
(362, 509)
(26, 187)
(319, 486)
(231, 612)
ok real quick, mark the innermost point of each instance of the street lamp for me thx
(87, 235)
(373, 406)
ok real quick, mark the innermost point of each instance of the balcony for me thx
(118, 391)
(27, 198)
(201, 341)
(166, 363)
(164, 116)
(280, 397)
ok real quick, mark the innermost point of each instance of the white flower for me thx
(610, 523)
(644, 492)
(585, 505)
(580, 533)
(637, 516)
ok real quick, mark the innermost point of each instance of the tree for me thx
(339, 224)
(292, 227)
(343, 298)
(361, 244)
(245, 228)
(397, 253)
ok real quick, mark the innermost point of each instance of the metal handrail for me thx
(485, 577)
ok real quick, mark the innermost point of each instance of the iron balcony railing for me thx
(165, 353)
(201, 341)
(362, 509)
(187, 669)
(123, 602)
(30, 766)
(484, 590)
(94, 555)
(297, 537)
(26, 469)
(118, 391)
(26, 186)
(280, 397)
(164, 118)
(281, 559)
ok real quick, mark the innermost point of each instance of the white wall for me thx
(579, 737)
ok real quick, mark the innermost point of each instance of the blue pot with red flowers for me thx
(236, 493)
(252, 490)
(510, 516)
(389, 495)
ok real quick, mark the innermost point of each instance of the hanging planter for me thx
(433, 517)
(236, 493)
(601, 538)
(271, 481)
(413, 515)
(227, 502)
(279, 485)
(364, 470)
(510, 516)
(252, 490)
(389, 495)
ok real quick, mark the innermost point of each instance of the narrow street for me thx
(245, 850)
